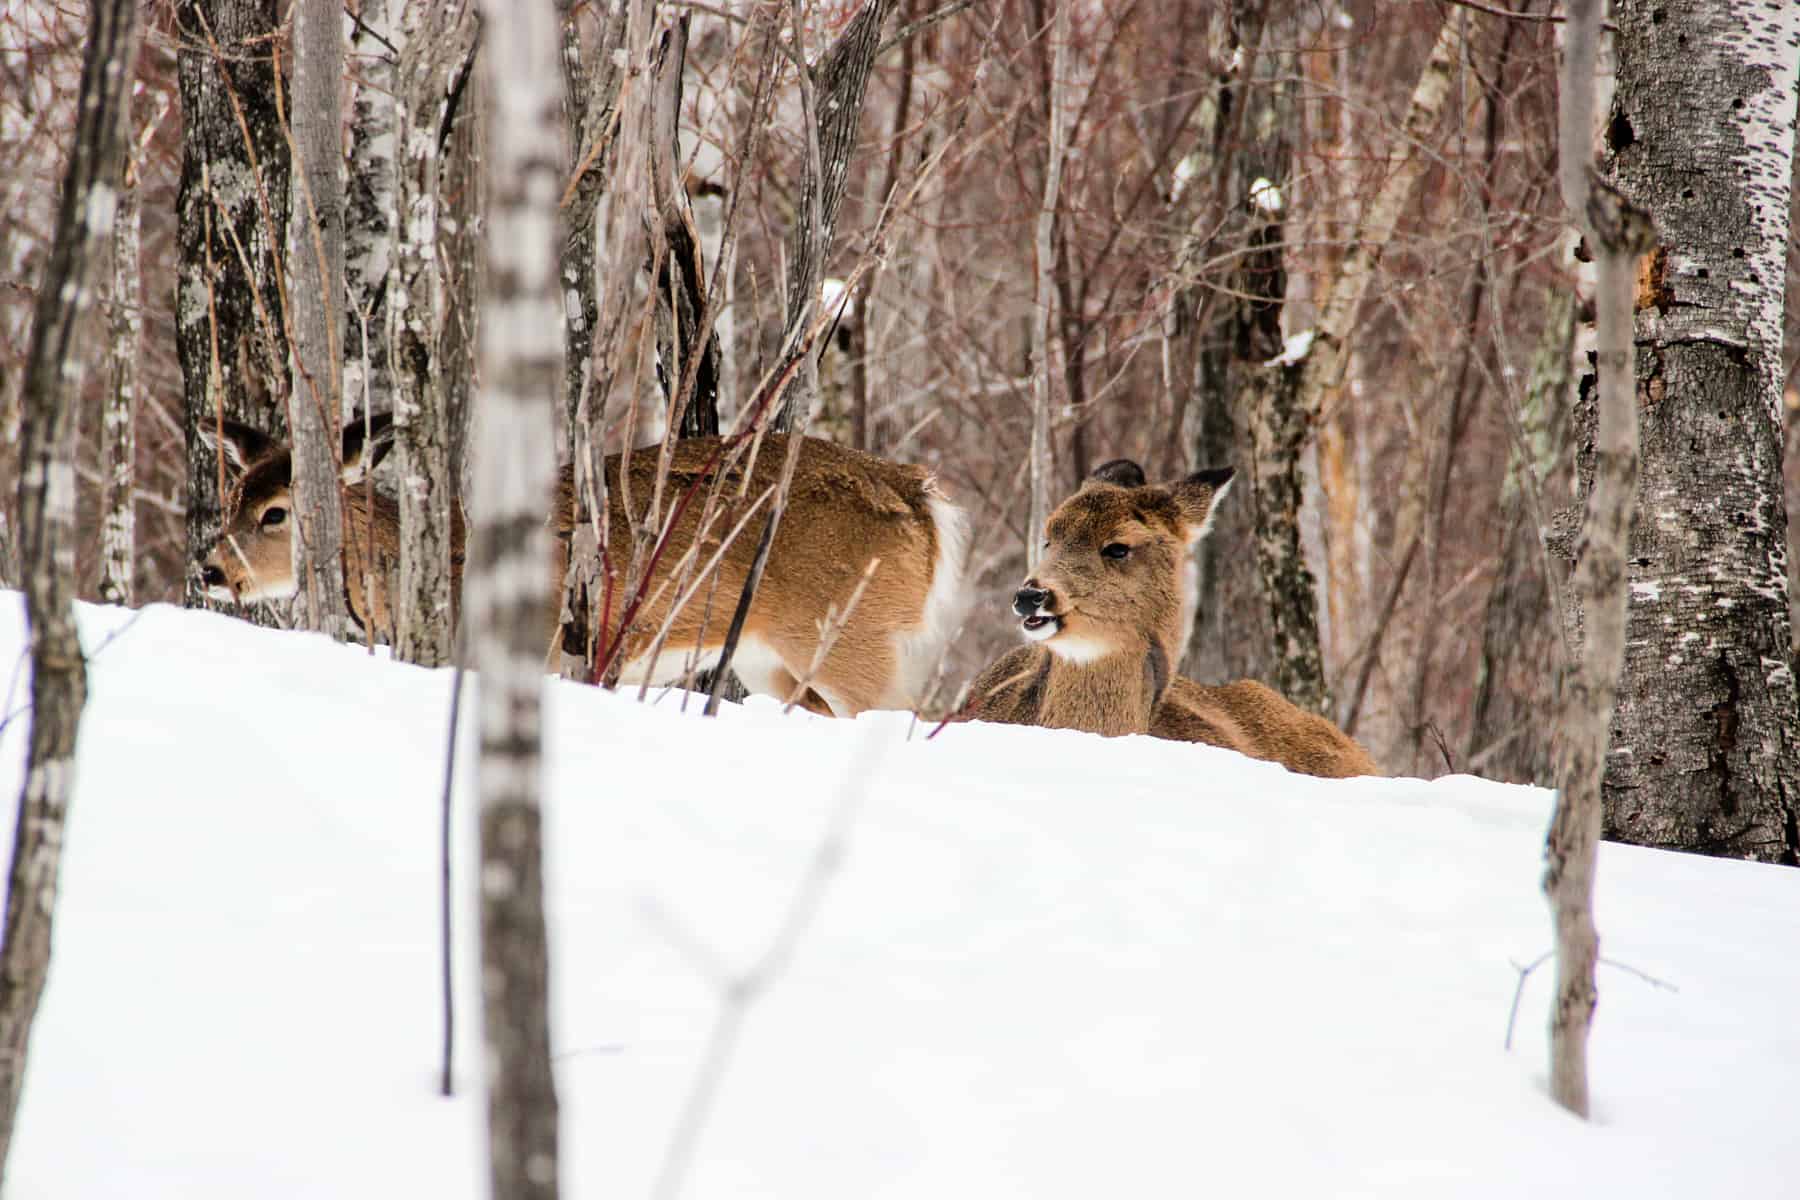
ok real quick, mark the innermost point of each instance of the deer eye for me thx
(1114, 550)
(273, 517)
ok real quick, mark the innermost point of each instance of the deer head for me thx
(254, 556)
(1112, 575)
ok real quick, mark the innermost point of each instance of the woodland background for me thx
(1435, 624)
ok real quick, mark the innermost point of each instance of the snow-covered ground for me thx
(1046, 965)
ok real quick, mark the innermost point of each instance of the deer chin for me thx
(1039, 627)
(253, 592)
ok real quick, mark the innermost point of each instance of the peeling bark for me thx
(522, 365)
(50, 400)
(1706, 737)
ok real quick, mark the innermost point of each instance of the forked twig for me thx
(740, 992)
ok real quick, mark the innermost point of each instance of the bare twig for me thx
(740, 993)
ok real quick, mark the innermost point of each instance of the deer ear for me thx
(1198, 498)
(1120, 471)
(241, 444)
(365, 445)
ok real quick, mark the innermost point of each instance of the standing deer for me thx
(844, 508)
(1106, 616)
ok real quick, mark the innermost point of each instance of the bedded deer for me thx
(1104, 616)
(844, 508)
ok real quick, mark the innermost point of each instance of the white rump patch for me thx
(918, 651)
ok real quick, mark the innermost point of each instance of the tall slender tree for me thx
(316, 258)
(1618, 234)
(118, 412)
(521, 372)
(52, 394)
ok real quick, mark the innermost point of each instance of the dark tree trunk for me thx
(839, 81)
(522, 364)
(1210, 336)
(316, 260)
(232, 216)
(50, 402)
(1706, 737)
(1521, 637)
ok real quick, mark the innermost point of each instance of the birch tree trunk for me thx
(1707, 731)
(839, 80)
(316, 256)
(232, 215)
(521, 357)
(437, 42)
(1617, 234)
(1041, 467)
(50, 401)
(369, 205)
(118, 414)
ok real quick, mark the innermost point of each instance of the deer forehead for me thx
(1111, 514)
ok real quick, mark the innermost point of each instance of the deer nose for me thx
(1028, 600)
(211, 576)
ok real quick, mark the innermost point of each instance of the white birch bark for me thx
(50, 400)
(316, 259)
(1044, 291)
(1701, 132)
(522, 363)
(118, 414)
(369, 213)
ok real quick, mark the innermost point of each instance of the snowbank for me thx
(1048, 964)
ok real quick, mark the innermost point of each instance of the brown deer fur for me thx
(1104, 610)
(844, 508)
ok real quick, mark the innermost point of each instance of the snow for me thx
(1294, 350)
(1040, 964)
(1265, 196)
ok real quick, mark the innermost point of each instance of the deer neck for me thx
(1113, 693)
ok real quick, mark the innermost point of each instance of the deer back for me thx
(1253, 720)
(844, 509)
